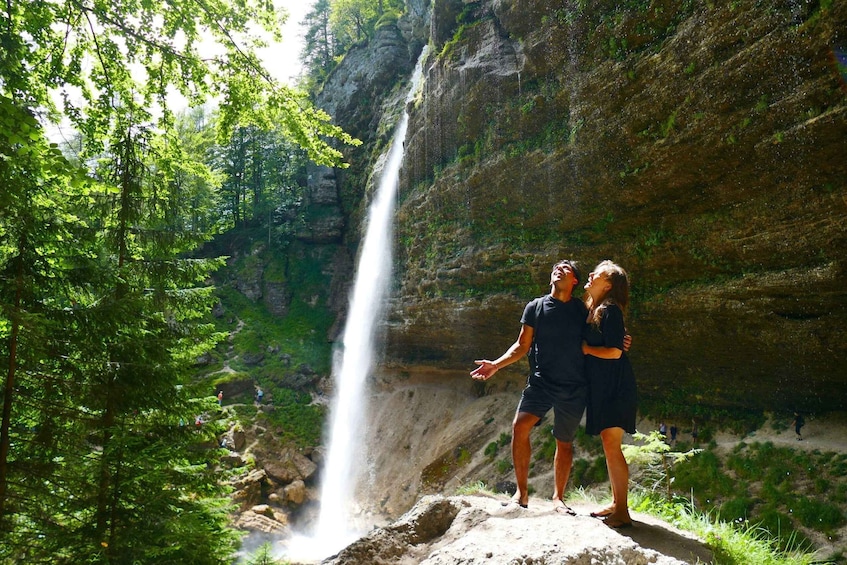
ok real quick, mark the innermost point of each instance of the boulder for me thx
(295, 492)
(288, 466)
(254, 522)
(248, 489)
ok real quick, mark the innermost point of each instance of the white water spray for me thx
(335, 528)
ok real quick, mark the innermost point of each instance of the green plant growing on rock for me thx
(668, 126)
(654, 457)
(491, 450)
(298, 420)
(547, 449)
(475, 488)
(503, 466)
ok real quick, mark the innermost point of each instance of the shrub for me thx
(491, 450)
(821, 516)
(503, 466)
(736, 509)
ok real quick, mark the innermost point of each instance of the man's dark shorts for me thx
(568, 407)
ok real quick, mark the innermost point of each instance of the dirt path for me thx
(826, 433)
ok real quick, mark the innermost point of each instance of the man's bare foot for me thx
(518, 500)
(559, 507)
(608, 511)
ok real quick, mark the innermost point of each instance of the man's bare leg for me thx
(521, 452)
(562, 463)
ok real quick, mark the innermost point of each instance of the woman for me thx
(612, 394)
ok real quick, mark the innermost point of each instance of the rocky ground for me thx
(478, 529)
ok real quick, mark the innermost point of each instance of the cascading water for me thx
(335, 526)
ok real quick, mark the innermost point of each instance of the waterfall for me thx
(335, 527)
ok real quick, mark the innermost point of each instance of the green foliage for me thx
(763, 488)
(294, 416)
(648, 242)
(261, 176)
(590, 444)
(733, 543)
(491, 450)
(652, 454)
(125, 318)
(294, 338)
(736, 509)
(589, 472)
(503, 466)
(687, 405)
(669, 125)
(817, 514)
(546, 450)
(263, 556)
(103, 312)
(475, 488)
(353, 21)
(504, 439)
(703, 475)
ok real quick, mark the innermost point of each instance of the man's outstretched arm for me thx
(486, 368)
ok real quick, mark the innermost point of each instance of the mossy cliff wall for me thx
(702, 145)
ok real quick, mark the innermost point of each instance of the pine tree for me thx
(101, 310)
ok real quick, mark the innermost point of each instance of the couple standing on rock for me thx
(577, 359)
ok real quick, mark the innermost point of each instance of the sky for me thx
(283, 60)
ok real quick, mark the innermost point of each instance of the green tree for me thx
(357, 19)
(100, 311)
(321, 48)
(196, 201)
(263, 179)
(100, 55)
(354, 20)
(105, 443)
(36, 239)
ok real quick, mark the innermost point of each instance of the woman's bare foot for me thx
(618, 520)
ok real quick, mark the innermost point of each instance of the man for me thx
(798, 424)
(551, 332)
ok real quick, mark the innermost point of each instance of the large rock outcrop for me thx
(701, 145)
(475, 529)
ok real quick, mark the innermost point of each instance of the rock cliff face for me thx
(701, 145)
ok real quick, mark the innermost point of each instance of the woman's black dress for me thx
(612, 400)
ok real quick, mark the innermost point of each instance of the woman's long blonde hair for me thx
(617, 294)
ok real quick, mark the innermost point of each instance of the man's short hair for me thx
(574, 267)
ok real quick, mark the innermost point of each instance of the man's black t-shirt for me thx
(556, 358)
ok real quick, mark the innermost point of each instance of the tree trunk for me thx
(9, 389)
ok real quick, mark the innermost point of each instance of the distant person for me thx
(551, 332)
(663, 430)
(259, 395)
(220, 398)
(612, 400)
(798, 424)
(674, 431)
